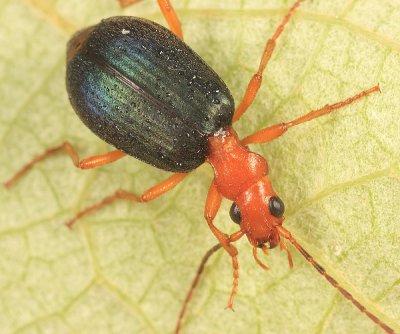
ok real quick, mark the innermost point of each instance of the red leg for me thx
(171, 17)
(272, 132)
(126, 3)
(213, 203)
(167, 10)
(232, 238)
(256, 80)
(147, 196)
(91, 162)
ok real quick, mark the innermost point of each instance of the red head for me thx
(259, 211)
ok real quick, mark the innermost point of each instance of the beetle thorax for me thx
(242, 177)
(236, 168)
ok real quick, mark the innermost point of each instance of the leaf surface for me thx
(127, 268)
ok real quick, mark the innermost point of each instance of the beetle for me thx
(159, 102)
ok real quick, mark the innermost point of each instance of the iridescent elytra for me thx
(178, 135)
(159, 100)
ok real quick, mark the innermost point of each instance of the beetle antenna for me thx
(195, 282)
(287, 235)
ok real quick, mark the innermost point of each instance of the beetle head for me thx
(259, 211)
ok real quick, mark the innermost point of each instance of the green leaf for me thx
(127, 268)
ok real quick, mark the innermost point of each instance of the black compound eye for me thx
(234, 212)
(276, 206)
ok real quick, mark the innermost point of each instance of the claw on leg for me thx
(235, 266)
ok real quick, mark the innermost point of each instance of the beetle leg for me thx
(168, 12)
(171, 17)
(213, 203)
(91, 162)
(126, 3)
(262, 265)
(255, 82)
(121, 194)
(273, 132)
(232, 238)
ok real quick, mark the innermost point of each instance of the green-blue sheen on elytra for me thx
(143, 90)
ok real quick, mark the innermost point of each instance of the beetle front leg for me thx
(88, 163)
(206, 257)
(213, 204)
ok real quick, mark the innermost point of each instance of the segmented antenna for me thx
(287, 235)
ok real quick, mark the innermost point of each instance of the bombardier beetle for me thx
(140, 88)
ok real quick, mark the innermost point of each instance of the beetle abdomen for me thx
(141, 89)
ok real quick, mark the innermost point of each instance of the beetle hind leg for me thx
(126, 3)
(213, 204)
(88, 163)
(168, 12)
(170, 16)
(255, 82)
